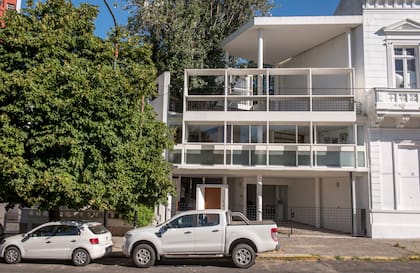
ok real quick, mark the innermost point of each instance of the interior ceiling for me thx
(282, 41)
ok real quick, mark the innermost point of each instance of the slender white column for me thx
(260, 50)
(259, 198)
(244, 197)
(353, 204)
(168, 212)
(226, 58)
(349, 54)
(317, 202)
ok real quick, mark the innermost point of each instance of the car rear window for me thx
(98, 229)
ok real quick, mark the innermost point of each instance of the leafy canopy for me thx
(72, 129)
(188, 33)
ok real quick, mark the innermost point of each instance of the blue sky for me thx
(104, 21)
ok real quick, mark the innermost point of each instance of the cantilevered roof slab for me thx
(286, 37)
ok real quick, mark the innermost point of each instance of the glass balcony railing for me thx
(291, 155)
(277, 89)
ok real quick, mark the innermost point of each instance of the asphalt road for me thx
(121, 265)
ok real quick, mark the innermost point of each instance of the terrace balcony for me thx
(396, 105)
(285, 94)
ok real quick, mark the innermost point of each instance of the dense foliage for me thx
(188, 33)
(75, 132)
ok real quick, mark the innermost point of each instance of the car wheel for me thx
(144, 256)
(12, 255)
(243, 256)
(80, 257)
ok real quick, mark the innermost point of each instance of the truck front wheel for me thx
(144, 256)
(243, 256)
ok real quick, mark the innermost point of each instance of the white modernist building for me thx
(324, 132)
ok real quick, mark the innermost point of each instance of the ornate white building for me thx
(324, 132)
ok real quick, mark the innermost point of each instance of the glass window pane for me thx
(411, 52)
(335, 134)
(258, 158)
(241, 157)
(412, 77)
(360, 135)
(240, 134)
(258, 133)
(208, 220)
(398, 51)
(67, 231)
(282, 134)
(282, 158)
(304, 135)
(304, 158)
(205, 133)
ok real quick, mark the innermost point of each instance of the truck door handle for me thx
(187, 232)
(215, 230)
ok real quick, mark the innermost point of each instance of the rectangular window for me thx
(405, 67)
(334, 135)
(248, 133)
(11, 6)
(205, 133)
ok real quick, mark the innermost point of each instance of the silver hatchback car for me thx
(77, 241)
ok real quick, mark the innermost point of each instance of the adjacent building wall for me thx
(395, 183)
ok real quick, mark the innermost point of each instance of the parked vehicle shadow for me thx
(122, 261)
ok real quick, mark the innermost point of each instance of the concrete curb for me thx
(305, 257)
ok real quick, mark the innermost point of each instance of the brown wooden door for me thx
(212, 198)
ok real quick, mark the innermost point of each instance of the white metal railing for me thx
(276, 89)
(396, 100)
(270, 155)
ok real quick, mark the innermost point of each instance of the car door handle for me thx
(215, 230)
(72, 241)
(48, 242)
(187, 232)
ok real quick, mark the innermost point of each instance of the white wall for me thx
(395, 183)
(332, 53)
(161, 103)
(374, 42)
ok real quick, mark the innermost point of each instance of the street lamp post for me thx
(115, 67)
(116, 33)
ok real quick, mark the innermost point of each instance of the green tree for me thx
(75, 132)
(188, 33)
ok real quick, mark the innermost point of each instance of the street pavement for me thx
(332, 247)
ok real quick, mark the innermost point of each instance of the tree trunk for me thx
(54, 215)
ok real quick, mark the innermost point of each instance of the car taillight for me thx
(274, 234)
(94, 241)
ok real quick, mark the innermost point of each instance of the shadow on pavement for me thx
(122, 261)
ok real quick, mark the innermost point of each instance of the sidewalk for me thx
(340, 247)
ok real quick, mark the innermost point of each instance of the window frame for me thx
(391, 45)
(405, 58)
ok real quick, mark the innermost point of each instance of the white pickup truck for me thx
(200, 234)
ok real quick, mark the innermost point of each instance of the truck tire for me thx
(144, 256)
(243, 256)
(12, 255)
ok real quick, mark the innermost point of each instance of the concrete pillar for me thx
(260, 50)
(349, 54)
(168, 211)
(244, 197)
(226, 59)
(353, 204)
(317, 202)
(259, 198)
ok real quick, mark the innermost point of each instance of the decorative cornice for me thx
(403, 27)
(391, 4)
